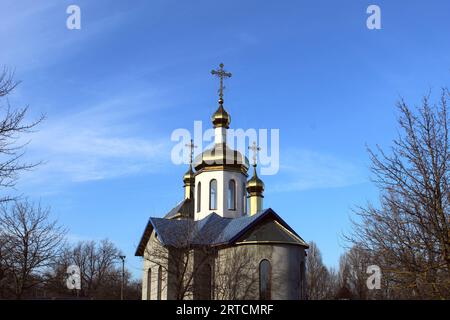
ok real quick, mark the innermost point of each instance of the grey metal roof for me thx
(184, 208)
(212, 230)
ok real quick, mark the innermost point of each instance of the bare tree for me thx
(332, 284)
(96, 263)
(408, 235)
(4, 256)
(235, 276)
(321, 283)
(182, 258)
(29, 243)
(353, 273)
(7, 82)
(13, 126)
(100, 273)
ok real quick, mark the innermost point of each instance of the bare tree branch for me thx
(29, 243)
(409, 235)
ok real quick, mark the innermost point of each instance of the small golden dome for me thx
(221, 118)
(255, 185)
(189, 177)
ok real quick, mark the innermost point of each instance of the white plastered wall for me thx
(147, 264)
(223, 178)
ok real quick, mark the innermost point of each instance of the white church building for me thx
(221, 241)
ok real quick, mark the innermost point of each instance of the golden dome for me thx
(189, 176)
(221, 118)
(221, 156)
(255, 185)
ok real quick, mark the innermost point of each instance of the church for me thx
(221, 242)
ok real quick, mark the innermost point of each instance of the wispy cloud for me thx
(37, 35)
(306, 169)
(101, 142)
(102, 131)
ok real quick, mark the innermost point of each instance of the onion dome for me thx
(220, 156)
(189, 176)
(221, 118)
(255, 186)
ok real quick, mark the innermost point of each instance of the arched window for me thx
(213, 195)
(199, 196)
(149, 284)
(231, 199)
(265, 286)
(244, 199)
(159, 283)
(302, 280)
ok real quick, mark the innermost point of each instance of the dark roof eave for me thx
(144, 239)
(140, 247)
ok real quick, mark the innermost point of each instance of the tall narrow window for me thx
(244, 199)
(213, 195)
(231, 195)
(264, 280)
(302, 280)
(149, 284)
(199, 196)
(159, 283)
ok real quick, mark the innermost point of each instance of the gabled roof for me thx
(212, 230)
(185, 209)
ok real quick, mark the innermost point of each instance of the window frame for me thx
(268, 295)
(211, 193)
(244, 200)
(234, 204)
(199, 196)
(149, 284)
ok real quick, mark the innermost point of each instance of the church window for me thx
(199, 196)
(231, 195)
(302, 280)
(244, 199)
(159, 283)
(149, 284)
(265, 280)
(213, 195)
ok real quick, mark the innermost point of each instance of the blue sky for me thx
(114, 91)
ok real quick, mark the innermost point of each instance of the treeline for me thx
(35, 257)
(34, 251)
(348, 282)
(407, 235)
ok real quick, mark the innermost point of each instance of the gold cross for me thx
(255, 148)
(191, 147)
(221, 73)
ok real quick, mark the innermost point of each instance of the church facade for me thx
(220, 241)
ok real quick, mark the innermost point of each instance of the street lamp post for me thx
(123, 276)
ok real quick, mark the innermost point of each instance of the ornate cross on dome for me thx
(221, 73)
(191, 147)
(255, 148)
